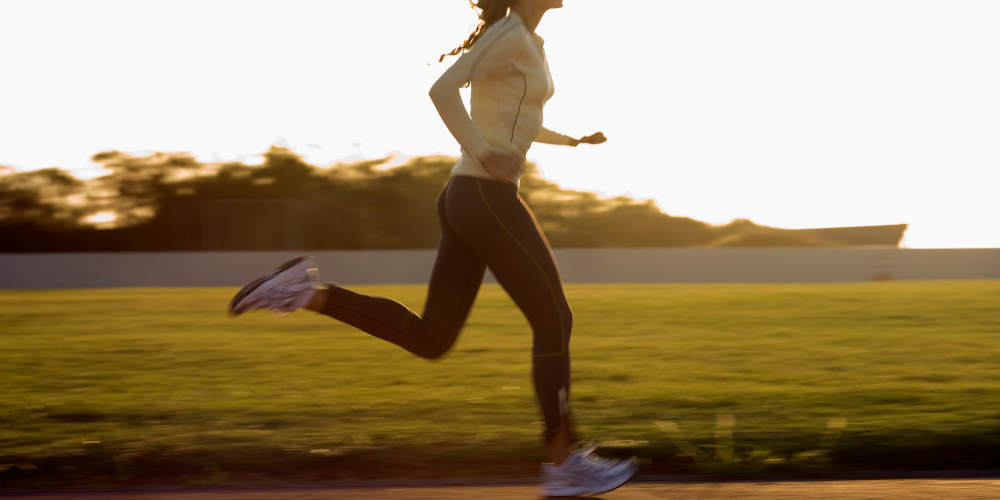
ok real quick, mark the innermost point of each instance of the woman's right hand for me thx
(504, 168)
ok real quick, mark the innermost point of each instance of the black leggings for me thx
(483, 223)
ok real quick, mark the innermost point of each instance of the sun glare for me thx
(89, 173)
(101, 218)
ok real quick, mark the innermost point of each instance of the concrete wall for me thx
(606, 265)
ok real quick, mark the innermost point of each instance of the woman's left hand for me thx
(595, 138)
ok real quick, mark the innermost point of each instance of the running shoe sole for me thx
(635, 468)
(252, 287)
(586, 490)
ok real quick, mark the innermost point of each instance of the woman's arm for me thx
(490, 54)
(546, 136)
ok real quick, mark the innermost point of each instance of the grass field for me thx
(127, 383)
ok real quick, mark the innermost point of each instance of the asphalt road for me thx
(908, 489)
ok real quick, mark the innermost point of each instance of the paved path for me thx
(895, 489)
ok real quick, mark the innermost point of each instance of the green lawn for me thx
(165, 381)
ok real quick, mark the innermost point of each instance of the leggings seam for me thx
(562, 333)
(371, 318)
(539, 306)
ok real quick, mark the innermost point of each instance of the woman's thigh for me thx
(499, 227)
(456, 278)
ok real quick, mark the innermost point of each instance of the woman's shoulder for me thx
(509, 30)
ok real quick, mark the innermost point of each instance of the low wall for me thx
(592, 265)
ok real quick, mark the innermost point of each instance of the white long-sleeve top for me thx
(510, 83)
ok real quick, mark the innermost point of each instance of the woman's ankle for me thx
(318, 300)
(558, 445)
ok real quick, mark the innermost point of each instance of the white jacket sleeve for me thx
(491, 53)
(546, 136)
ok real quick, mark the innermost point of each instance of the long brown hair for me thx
(490, 11)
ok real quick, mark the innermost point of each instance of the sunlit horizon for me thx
(790, 114)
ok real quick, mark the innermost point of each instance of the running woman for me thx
(484, 223)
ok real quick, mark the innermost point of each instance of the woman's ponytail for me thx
(490, 11)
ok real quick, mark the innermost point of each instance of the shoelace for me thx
(281, 299)
(593, 465)
(588, 455)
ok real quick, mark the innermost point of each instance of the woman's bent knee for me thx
(432, 352)
(431, 344)
(552, 323)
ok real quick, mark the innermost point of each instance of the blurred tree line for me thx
(170, 201)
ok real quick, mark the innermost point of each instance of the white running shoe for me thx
(585, 474)
(288, 288)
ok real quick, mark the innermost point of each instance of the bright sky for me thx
(791, 113)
